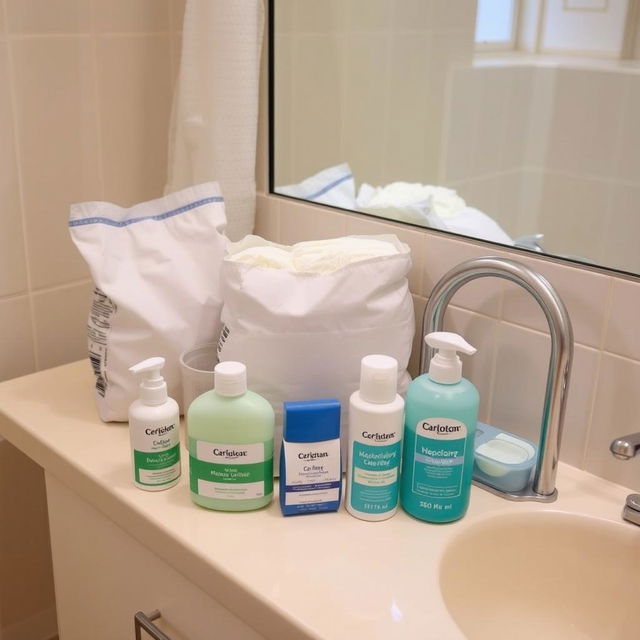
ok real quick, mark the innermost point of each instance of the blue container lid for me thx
(311, 420)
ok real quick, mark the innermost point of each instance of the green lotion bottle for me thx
(439, 433)
(230, 434)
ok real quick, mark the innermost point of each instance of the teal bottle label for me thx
(374, 479)
(438, 460)
(230, 471)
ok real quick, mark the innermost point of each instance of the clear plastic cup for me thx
(196, 366)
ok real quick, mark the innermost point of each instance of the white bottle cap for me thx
(153, 388)
(230, 378)
(378, 379)
(446, 367)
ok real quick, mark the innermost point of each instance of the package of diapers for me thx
(156, 268)
(302, 317)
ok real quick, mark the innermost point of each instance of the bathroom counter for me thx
(320, 576)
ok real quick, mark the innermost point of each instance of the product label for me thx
(98, 327)
(155, 468)
(230, 471)
(313, 473)
(156, 453)
(374, 478)
(438, 460)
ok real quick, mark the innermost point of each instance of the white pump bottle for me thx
(154, 430)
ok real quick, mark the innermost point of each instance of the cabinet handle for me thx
(143, 621)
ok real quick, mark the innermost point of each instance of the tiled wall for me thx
(84, 112)
(85, 99)
(551, 148)
(325, 52)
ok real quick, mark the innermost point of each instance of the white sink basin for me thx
(544, 575)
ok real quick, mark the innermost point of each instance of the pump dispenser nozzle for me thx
(153, 388)
(446, 367)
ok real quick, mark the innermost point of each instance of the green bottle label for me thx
(231, 471)
(154, 468)
(438, 461)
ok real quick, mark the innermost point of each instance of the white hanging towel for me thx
(214, 122)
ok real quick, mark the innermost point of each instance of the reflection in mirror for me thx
(513, 121)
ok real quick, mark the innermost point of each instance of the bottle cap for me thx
(230, 378)
(153, 388)
(378, 379)
(446, 367)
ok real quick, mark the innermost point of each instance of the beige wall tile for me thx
(622, 231)
(300, 222)
(315, 105)
(628, 161)
(368, 15)
(176, 16)
(582, 386)
(461, 15)
(481, 332)
(267, 218)
(419, 305)
(578, 143)
(412, 15)
(127, 16)
(573, 215)
(24, 541)
(622, 335)
(37, 17)
(309, 16)
(522, 358)
(443, 253)
(58, 143)
(517, 116)
(16, 339)
(13, 271)
(365, 225)
(134, 75)
(60, 317)
(617, 403)
(584, 293)
(365, 105)
(403, 132)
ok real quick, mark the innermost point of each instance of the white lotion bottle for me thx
(154, 430)
(376, 419)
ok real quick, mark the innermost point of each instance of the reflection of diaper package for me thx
(156, 267)
(303, 317)
(334, 186)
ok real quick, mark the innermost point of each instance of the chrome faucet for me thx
(543, 486)
(625, 448)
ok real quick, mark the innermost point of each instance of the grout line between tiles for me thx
(592, 408)
(61, 287)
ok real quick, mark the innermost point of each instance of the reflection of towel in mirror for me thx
(431, 206)
(334, 186)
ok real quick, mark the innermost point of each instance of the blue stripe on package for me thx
(310, 463)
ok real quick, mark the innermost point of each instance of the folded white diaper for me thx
(313, 256)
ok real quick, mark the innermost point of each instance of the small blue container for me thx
(502, 460)
(310, 461)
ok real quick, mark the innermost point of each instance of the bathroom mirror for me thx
(518, 127)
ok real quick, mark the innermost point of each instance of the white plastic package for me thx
(156, 268)
(302, 335)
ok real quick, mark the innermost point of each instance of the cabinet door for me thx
(103, 576)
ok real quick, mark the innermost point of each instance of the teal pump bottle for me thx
(439, 433)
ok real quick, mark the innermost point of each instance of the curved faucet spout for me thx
(543, 486)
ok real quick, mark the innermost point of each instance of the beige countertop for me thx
(325, 576)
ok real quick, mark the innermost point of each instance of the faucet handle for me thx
(633, 501)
